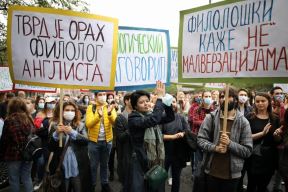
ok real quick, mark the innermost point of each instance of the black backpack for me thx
(32, 149)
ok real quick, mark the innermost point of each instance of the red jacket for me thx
(14, 137)
(198, 116)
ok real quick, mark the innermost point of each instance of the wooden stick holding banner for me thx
(61, 116)
(226, 108)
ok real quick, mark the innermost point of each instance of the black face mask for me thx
(231, 105)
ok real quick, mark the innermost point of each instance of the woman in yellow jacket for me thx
(100, 118)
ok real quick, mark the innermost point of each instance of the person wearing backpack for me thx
(17, 127)
(224, 153)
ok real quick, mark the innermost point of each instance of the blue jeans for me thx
(40, 167)
(198, 156)
(20, 170)
(99, 153)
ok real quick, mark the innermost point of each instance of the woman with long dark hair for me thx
(17, 127)
(75, 166)
(263, 161)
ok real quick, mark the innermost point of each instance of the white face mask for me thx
(86, 101)
(102, 99)
(69, 115)
(242, 99)
(110, 100)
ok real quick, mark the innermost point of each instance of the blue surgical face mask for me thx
(50, 105)
(279, 98)
(41, 105)
(208, 101)
(198, 100)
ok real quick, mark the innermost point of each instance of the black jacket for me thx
(137, 124)
(177, 150)
(123, 146)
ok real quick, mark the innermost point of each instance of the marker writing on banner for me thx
(218, 51)
(76, 71)
(32, 25)
(174, 64)
(248, 13)
(141, 57)
(141, 68)
(70, 53)
(216, 41)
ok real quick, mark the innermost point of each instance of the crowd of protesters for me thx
(142, 129)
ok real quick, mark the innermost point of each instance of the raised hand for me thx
(160, 89)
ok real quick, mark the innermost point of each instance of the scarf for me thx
(154, 145)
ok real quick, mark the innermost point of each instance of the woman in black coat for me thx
(140, 120)
(264, 159)
(75, 166)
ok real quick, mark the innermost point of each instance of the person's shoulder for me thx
(134, 114)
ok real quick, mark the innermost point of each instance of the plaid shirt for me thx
(14, 137)
(197, 117)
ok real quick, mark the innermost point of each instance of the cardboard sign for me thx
(58, 48)
(174, 65)
(246, 40)
(32, 88)
(5, 80)
(143, 58)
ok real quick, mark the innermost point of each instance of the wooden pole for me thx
(61, 116)
(226, 107)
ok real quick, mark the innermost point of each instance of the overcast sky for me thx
(158, 14)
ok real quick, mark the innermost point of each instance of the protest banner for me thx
(32, 88)
(234, 40)
(84, 90)
(174, 65)
(215, 85)
(59, 48)
(143, 58)
(5, 80)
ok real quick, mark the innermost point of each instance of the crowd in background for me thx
(143, 129)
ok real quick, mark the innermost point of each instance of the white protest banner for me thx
(84, 90)
(229, 40)
(32, 88)
(174, 65)
(283, 86)
(215, 85)
(5, 80)
(59, 48)
(143, 58)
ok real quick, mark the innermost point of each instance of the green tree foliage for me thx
(76, 5)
